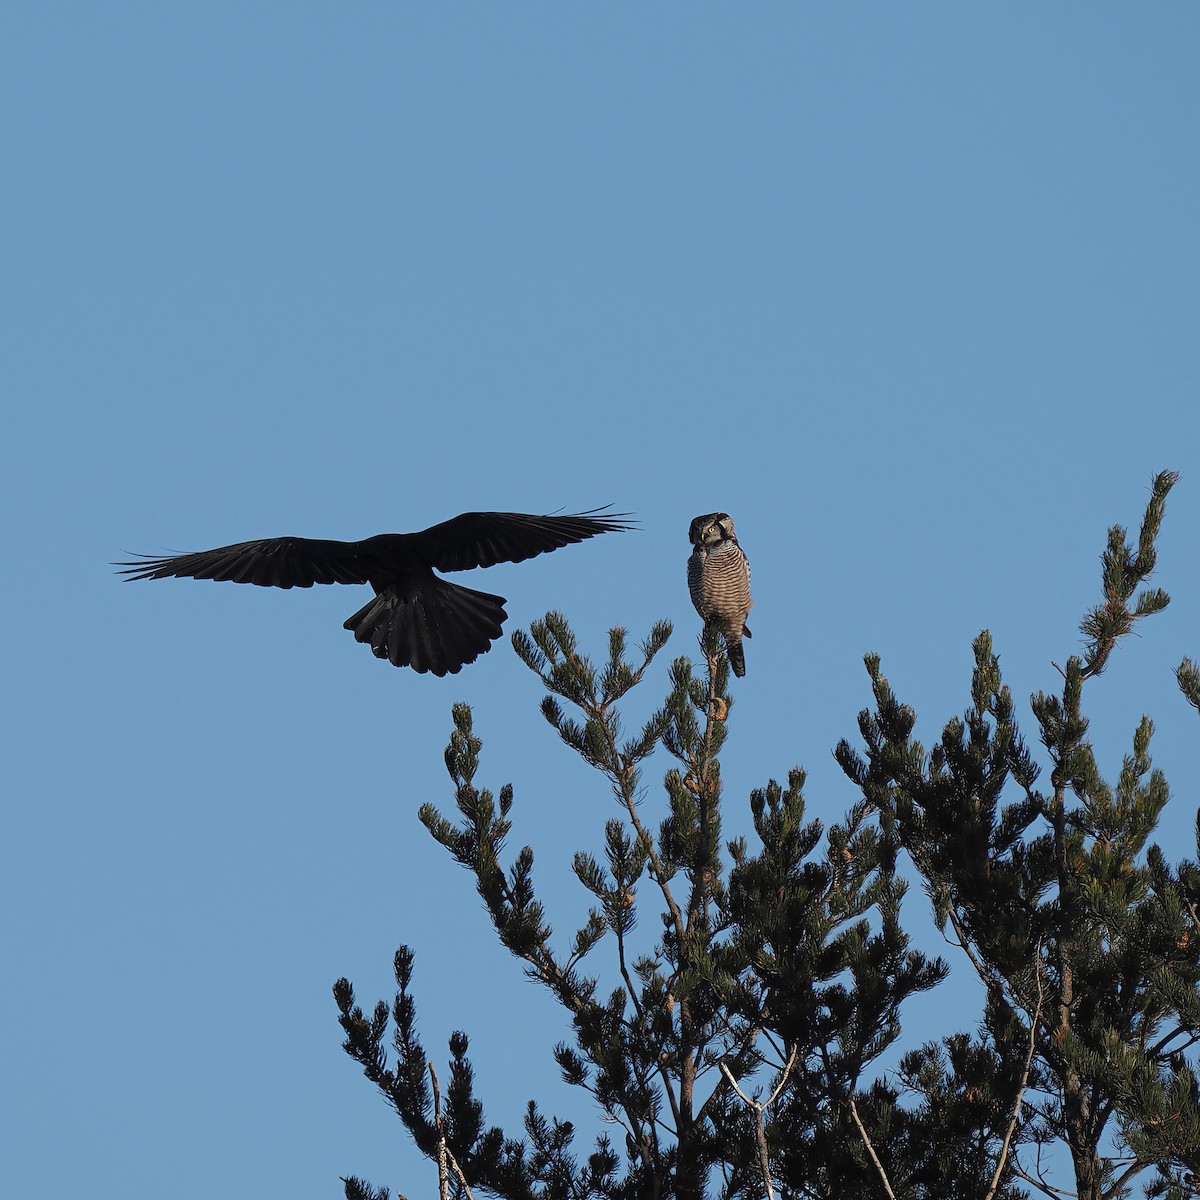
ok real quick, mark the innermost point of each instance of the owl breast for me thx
(719, 582)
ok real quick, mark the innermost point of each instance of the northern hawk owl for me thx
(415, 619)
(719, 581)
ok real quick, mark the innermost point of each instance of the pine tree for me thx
(734, 1044)
(1085, 938)
(728, 1001)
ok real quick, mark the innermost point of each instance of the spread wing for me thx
(284, 562)
(482, 539)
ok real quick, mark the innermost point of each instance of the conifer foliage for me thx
(1085, 938)
(727, 1001)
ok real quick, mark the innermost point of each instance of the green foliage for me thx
(729, 1000)
(1082, 934)
(777, 963)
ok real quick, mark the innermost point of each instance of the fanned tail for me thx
(439, 629)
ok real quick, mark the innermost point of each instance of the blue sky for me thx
(911, 291)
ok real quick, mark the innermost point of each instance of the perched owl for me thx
(719, 581)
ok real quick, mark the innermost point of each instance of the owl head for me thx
(711, 529)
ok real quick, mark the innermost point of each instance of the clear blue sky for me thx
(911, 291)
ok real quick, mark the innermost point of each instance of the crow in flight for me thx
(416, 619)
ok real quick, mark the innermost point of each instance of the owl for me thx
(719, 582)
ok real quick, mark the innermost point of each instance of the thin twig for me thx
(1040, 1183)
(783, 1078)
(1129, 1172)
(714, 1097)
(862, 1129)
(985, 973)
(661, 1068)
(658, 872)
(774, 1045)
(445, 1154)
(887, 1187)
(698, 900)
(459, 1172)
(1193, 1038)
(1012, 1125)
(758, 1107)
(443, 1149)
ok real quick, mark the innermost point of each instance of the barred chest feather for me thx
(719, 582)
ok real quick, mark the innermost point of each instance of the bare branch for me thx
(1041, 1185)
(443, 1149)
(787, 1070)
(887, 1187)
(1134, 1168)
(1012, 1125)
(758, 1107)
(459, 1172)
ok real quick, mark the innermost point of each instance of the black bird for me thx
(416, 619)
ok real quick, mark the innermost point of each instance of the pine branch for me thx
(446, 1159)
(359, 1189)
(1187, 675)
(1124, 570)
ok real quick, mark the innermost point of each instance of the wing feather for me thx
(482, 539)
(284, 562)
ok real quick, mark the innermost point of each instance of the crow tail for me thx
(439, 628)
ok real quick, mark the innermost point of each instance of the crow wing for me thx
(284, 562)
(482, 539)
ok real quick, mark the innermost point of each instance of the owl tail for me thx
(737, 657)
(439, 629)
